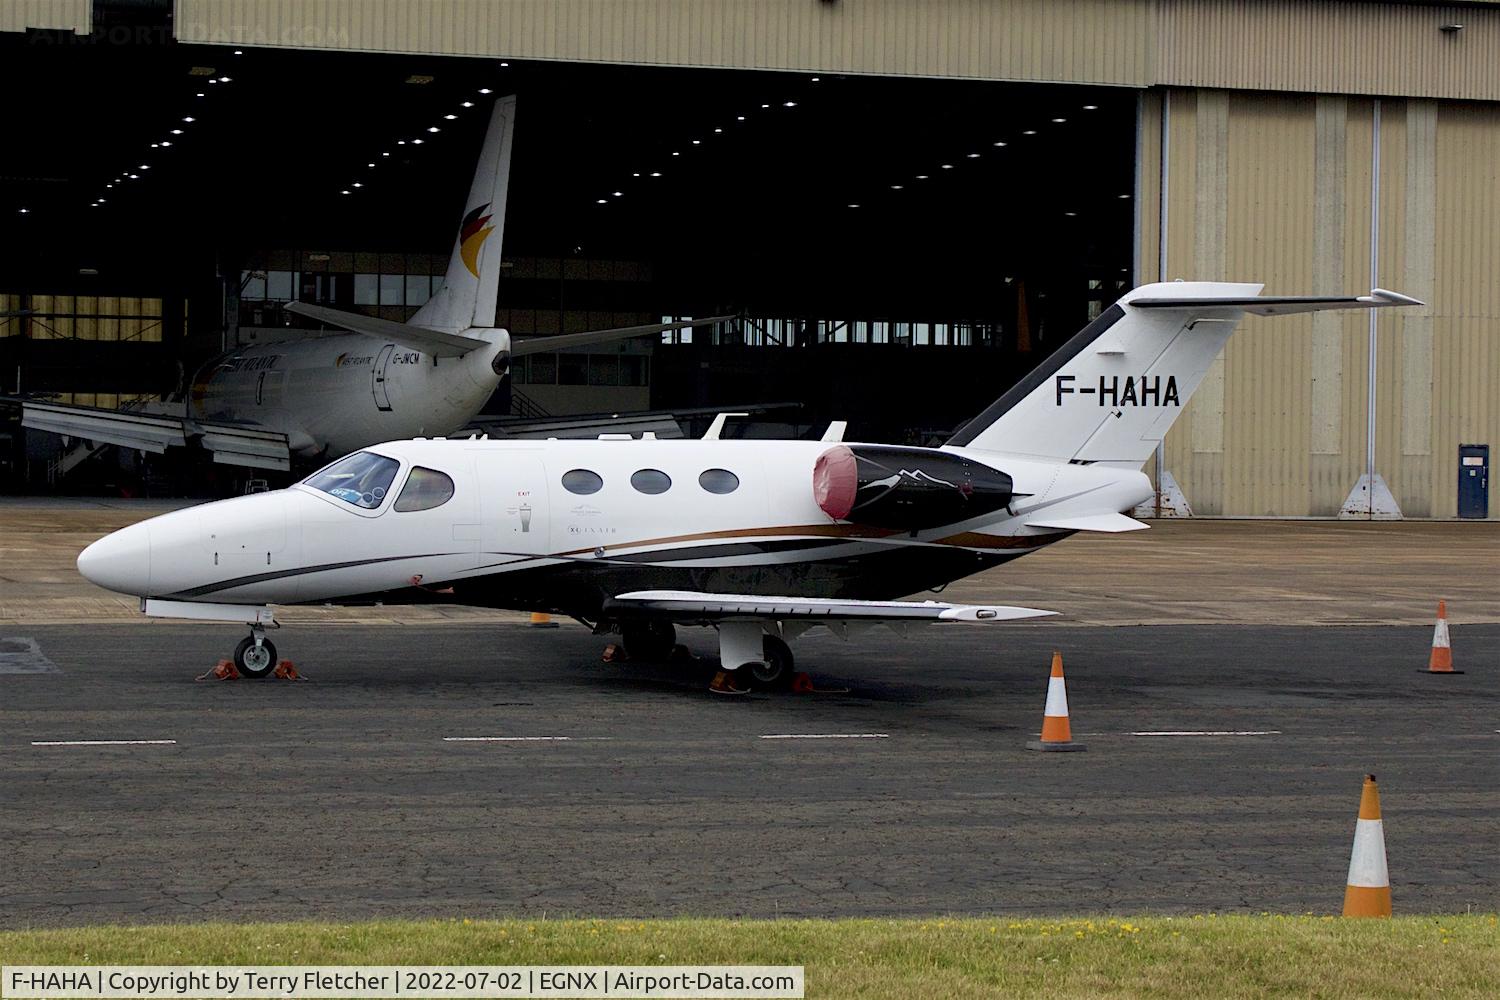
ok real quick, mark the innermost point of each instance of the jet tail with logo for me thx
(1109, 394)
(471, 285)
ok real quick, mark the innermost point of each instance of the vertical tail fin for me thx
(1109, 394)
(468, 295)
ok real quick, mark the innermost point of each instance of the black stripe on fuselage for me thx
(1039, 375)
(284, 574)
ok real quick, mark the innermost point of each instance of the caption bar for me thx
(294, 982)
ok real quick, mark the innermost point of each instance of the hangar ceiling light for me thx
(166, 142)
(188, 118)
(418, 142)
(356, 184)
(1058, 121)
(921, 177)
(223, 79)
(345, 191)
(451, 117)
(484, 90)
(1091, 107)
(25, 211)
(973, 156)
(789, 104)
(656, 173)
(433, 128)
(1030, 131)
(467, 104)
(602, 201)
(997, 144)
(177, 131)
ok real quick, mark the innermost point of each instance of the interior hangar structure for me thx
(1322, 147)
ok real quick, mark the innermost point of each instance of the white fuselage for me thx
(513, 535)
(335, 394)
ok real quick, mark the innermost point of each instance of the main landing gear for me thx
(255, 656)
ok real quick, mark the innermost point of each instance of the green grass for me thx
(1222, 956)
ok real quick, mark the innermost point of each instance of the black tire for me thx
(776, 672)
(649, 640)
(254, 663)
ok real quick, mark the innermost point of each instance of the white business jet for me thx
(325, 396)
(761, 539)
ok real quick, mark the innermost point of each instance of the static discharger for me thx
(1368, 893)
(1440, 660)
(1057, 734)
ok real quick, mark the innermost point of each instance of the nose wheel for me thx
(255, 656)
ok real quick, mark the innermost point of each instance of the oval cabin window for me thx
(719, 481)
(651, 481)
(582, 482)
(424, 490)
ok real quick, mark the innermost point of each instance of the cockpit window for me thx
(424, 490)
(362, 479)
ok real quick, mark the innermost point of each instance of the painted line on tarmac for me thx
(526, 739)
(1212, 732)
(103, 743)
(827, 736)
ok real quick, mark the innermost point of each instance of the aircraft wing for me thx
(1107, 521)
(232, 444)
(418, 338)
(690, 606)
(539, 345)
(1278, 305)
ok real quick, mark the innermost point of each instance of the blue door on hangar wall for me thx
(1473, 480)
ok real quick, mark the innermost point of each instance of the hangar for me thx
(911, 205)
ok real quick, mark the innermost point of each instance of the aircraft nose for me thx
(120, 561)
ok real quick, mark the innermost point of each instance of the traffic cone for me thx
(540, 620)
(1440, 661)
(1369, 890)
(1056, 733)
(723, 683)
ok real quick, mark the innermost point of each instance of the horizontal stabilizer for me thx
(690, 606)
(1280, 305)
(541, 345)
(433, 342)
(1108, 521)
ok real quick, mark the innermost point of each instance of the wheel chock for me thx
(224, 670)
(614, 653)
(286, 670)
(802, 683)
(724, 684)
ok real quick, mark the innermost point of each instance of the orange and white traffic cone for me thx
(1056, 733)
(540, 620)
(1369, 889)
(1440, 660)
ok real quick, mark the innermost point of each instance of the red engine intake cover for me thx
(835, 480)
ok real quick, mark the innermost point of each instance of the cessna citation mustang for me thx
(326, 396)
(761, 539)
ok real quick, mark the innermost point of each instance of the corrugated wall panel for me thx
(1353, 48)
(65, 15)
(1088, 41)
(1277, 189)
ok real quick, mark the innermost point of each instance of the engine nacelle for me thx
(907, 489)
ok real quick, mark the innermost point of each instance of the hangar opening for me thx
(896, 251)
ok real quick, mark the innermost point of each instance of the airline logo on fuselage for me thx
(472, 233)
(347, 360)
(257, 363)
(1133, 390)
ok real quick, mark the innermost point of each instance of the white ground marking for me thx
(524, 739)
(1214, 732)
(827, 736)
(103, 743)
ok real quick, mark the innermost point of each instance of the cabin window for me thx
(424, 490)
(651, 481)
(362, 479)
(582, 482)
(719, 481)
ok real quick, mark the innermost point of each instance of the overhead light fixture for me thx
(814, 80)
(370, 165)
(895, 187)
(717, 130)
(675, 153)
(418, 142)
(602, 201)
(110, 185)
(1124, 197)
(1058, 121)
(764, 106)
(504, 65)
(199, 94)
(177, 131)
(213, 81)
(134, 177)
(156, 145)
(1091, 107)
(356, 184)
(223, 79)
(484, 90)
(636, 174)
(854, 204)
(345, 191)
(25, 211)
(656, 173)
(385, 154)
(101, 201)
(1070, 214)
(450, 117)
(239, 52)
(697, 142)
(997, 144)
(921, 177)
(166, 142)
(739, 118)
(400, 142)
(189, 118)
(467, 104)
(145, 166)
(789, 104)
(947, 166)
(619, 194)
(433, 128)
(973, 156)
(1030, 131)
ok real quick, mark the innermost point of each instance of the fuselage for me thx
(335, 394)
(562, 526)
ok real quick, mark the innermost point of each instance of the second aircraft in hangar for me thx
(761, 539)
(323, 396)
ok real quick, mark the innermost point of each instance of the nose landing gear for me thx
(255, 656)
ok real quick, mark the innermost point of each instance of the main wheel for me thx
(776, 671)
(648, 640)
(255, 661)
